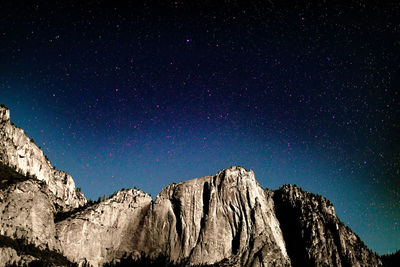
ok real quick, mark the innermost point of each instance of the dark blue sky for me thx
(155, 93)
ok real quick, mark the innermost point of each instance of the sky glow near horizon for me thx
(149, 95)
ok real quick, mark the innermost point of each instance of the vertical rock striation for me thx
(209, 219)
(28, 214)
(202, 221)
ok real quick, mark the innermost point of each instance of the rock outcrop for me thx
(19, 152)
(31, 192)
(225, 220)
(209, 219)
(27, 229)
(28, 214)
(104, 231)
(313, 233)
(202, 221)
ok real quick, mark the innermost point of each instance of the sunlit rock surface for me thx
(20, 153)
(104, 231)
(208, 219)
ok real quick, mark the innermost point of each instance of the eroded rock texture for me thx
(27, 213)
(27, 229)
(31, 192)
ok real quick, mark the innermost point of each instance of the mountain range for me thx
(226, 219)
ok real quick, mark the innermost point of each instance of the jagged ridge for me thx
(313, 233)
(227, 219)
(20, 153)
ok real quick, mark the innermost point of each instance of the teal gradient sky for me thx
(159, 93)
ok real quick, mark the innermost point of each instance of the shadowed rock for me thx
(313, 233)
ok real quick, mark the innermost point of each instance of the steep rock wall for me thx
(105, 231)
(27, 213)
(206, 220)
(20, 153)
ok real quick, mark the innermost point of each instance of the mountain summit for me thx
(223, 220)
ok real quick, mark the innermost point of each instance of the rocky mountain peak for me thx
(226, 219)
(234, 176)
(313, 233)
(128, 195)
(20, 153)
(105, 231)
(236, 173)
(212, 218)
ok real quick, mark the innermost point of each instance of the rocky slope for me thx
(227, 219)
(19, 152)
(27, 228)
(31, 192)
(313, 233)
(104, 231)
(201, 221)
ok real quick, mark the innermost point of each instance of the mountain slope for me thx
(313, 233)
(225, 220)
(104, 231)
(209, 219)
(20, 153)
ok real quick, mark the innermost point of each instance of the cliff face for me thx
(105, 231)
(19, 152)
(227, 219)
(27, 214)
(27, 229)
(206, 220)
(31, 192)
(202, 221)
(313, 233)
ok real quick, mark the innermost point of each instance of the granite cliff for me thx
(223, 220)
(210, 219)
(20, 153)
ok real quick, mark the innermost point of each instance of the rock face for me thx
(225, 220)
(104, 231)
(313, 233)
(206, 220)
(202, 221)
(27, 229)
(31, 192)
(19, 152)
(29, 214)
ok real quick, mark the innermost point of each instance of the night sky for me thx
(151, 94)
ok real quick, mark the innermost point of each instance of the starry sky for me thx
(165, 91)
